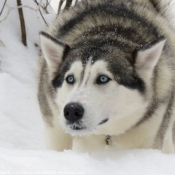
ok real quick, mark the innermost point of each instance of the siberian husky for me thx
(107, 77)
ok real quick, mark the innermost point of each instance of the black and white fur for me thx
(107, 77)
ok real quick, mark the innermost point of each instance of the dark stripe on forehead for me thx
(118, 31)
(94, 52)
(85, 62)
(95, 44)
(82, 75)
(102, 11)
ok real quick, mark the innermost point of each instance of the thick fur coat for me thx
(106, 77)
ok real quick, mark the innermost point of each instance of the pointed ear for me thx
(53, 51)
(147, 59)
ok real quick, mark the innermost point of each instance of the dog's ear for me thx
(53, 51)
(146, 59)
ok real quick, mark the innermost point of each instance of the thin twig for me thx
(68, 4)
(47, 3)
(22, 22)
(3, 7)
(13, 8)
(59, 6)
(44, 6)
(41, 12)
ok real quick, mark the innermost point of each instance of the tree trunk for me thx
(22, 22)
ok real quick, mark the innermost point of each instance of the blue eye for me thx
(70, 79)
(102, 79)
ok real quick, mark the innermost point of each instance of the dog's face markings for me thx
(100, 95)
(93, 89)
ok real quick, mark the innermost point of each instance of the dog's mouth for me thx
(76, 126)
(80, 127)
(73, 127)
(103, 121)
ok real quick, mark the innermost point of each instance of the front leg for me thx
(56, 138)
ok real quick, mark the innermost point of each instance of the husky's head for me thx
(100, 90)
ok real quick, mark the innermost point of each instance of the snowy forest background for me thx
(22, 149)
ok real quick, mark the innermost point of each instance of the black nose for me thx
(73, 112)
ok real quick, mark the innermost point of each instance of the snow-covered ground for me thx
(22, 148)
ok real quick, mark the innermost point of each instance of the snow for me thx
(22, 149)
(133, 162)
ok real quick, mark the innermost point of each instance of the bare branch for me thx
(24, 6)
(68, 4)
(47, 3)
(44, 6)
(3, 7)
(41, 12)
(59, 6)
(22, 22)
